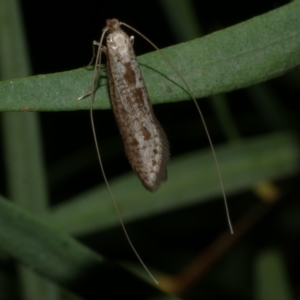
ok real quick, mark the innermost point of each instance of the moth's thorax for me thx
(119, 42)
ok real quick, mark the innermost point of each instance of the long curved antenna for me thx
(202, 120)
(97, 73)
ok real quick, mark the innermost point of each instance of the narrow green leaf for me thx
(25, 172)
(253, 51)
(271, 280)
(64, 260)
(193, 179)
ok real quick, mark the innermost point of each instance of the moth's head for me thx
(112, 25)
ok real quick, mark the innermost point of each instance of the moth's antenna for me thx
(202, 120)
(97, 73)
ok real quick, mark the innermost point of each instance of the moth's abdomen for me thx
(145, 142)
(147, 150)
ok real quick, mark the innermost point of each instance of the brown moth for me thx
(145, 142)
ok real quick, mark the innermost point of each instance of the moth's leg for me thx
(104, 50)
(97, 69)
(94, 52)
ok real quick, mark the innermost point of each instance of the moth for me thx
(144, 139)
(146, 144)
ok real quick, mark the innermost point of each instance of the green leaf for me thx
(253, 51)
(63, 259)
(272, 282)
(193, 180)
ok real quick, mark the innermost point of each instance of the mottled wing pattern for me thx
(145, 142)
